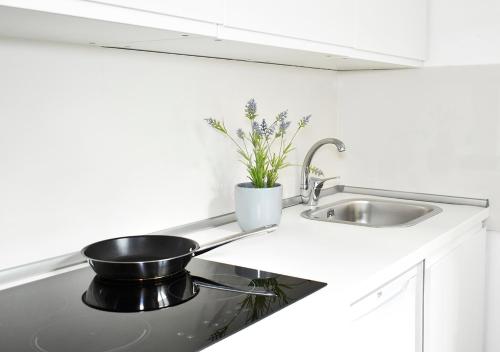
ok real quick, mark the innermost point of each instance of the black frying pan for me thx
(150, 256)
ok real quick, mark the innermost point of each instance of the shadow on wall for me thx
(223, 200)
(223, 170)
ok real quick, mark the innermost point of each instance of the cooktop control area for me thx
(78, 311)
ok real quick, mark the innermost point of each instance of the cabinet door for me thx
(316, 20)
(454, 298)
(203, 10)
(395, 27)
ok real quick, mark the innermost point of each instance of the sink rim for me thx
(434, 210)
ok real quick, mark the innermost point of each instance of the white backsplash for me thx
(99, 143)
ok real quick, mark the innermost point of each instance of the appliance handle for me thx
(380, 297)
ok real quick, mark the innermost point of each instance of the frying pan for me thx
(151, 256)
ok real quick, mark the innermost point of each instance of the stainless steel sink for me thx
(373, 212)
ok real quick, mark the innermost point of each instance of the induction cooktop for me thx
(79, 312)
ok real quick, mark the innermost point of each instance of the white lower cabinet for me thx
(455, 297)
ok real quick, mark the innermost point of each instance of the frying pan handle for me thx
(225, 240)
(217, 286)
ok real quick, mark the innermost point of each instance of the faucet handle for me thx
(316, 184)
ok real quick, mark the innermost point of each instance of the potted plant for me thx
(264, 150)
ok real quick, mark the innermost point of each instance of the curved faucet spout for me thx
(305, 188)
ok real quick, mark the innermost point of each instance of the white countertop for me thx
(352, 260)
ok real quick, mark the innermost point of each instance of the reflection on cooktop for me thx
(200, 308)
(133, 296)
(136, 296)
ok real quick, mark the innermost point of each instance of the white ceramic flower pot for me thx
(257, 207)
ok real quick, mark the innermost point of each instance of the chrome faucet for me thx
(310, 187)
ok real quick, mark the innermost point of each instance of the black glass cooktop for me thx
(78, 312)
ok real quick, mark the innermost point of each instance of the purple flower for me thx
(284, 125)
(304, 121)
(282, 116)
(263, 125)
(256, 128)
(266, 130)
(263, 129)
(251, 109)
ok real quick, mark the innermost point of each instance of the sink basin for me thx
(373, 212)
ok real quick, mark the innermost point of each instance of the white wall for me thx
(463, 32)
(435, 130)
(97, 143)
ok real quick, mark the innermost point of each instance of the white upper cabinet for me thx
(330, 34)
(390, 27)
(202, 10)
(331, 22)
(394, 27)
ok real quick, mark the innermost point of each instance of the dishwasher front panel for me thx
(390, 318)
